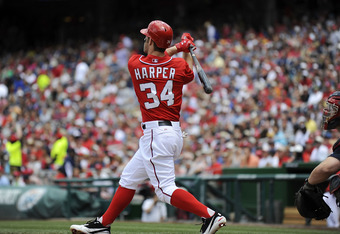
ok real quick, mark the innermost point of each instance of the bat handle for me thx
(191, 50)
(208, 89)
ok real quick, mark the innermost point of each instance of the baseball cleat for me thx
(213, 224)
(92, 226)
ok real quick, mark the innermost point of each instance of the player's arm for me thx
(186, 56)
(171, 50)
(324, 170)
(183, 46)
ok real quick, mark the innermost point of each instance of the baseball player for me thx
(309, 200)
(158, 80)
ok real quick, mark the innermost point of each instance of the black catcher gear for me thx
(310, 204)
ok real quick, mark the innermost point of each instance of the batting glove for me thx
(184, 45)
(187, 36)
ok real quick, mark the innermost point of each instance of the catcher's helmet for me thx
(331, 114)
(160, 32)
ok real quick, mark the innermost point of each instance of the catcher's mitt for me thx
(334, 188)
(310, 204)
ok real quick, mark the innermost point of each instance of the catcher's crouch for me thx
(309, 199)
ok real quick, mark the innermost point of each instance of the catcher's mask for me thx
(331, 114)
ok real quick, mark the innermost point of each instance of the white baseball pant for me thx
(158, 148)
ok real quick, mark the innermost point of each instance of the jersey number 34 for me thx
(166, 94)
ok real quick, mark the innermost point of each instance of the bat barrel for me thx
(201, 74)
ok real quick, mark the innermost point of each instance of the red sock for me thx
(120, 200)
(186, 201)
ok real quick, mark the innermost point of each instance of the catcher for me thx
(309, 199)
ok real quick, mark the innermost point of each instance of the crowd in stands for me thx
(265, 111)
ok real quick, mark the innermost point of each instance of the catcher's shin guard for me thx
(334, 188)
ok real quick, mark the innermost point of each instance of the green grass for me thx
(62, 226)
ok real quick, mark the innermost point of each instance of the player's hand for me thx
(186, 41)
(183, 46)
(187, 36)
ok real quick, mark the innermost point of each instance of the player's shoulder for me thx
(135, 57)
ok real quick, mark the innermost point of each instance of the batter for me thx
(158, 81)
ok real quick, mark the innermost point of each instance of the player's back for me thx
(158, 83)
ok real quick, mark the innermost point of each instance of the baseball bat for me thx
(201, 74)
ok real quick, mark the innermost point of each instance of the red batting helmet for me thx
(331, 114)
(160, 32)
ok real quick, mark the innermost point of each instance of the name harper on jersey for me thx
(155, 72)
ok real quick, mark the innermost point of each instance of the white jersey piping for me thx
(153, 64)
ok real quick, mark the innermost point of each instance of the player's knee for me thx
(164, 194)
(128, 184)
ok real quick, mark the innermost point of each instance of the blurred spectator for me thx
(296, 153)
(18, 180)
(13, 147)
(81, 72)
(283, 155)
(153, 210)
(311, 125)
(4, 181)
(29, 178)
(183, 164)
(232, 156)
(3, 91)
(211, 31)
(180, 168)
(266, 159)
(315, 97)
(59, 150)
(71, 162)
(122, 54)
(279, 136)
(307, 151)
(320, 151)
(249, 159)
(99, 172)
(301, 133)
(199, 164)
(215, 167)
